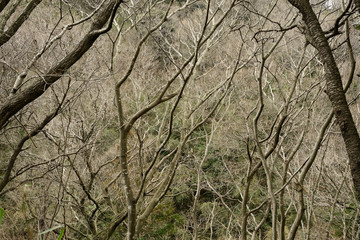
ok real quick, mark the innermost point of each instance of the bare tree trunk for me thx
(244, 213)
(3, 4)
(335, 91)
(11, 30)
(19, 100)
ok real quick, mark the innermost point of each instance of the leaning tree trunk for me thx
(334, 87)
(14, 103)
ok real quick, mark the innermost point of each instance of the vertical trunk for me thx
(244, 213)
(131, 203)
(282, 205)
(299, 215)
(127, 186)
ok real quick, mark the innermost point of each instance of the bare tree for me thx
(334, 89)
(177, 120)
(102, 23)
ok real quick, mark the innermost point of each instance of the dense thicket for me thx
(191, 119)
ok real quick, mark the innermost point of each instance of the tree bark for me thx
(3, 4)
(12, 29)
(334, 88)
